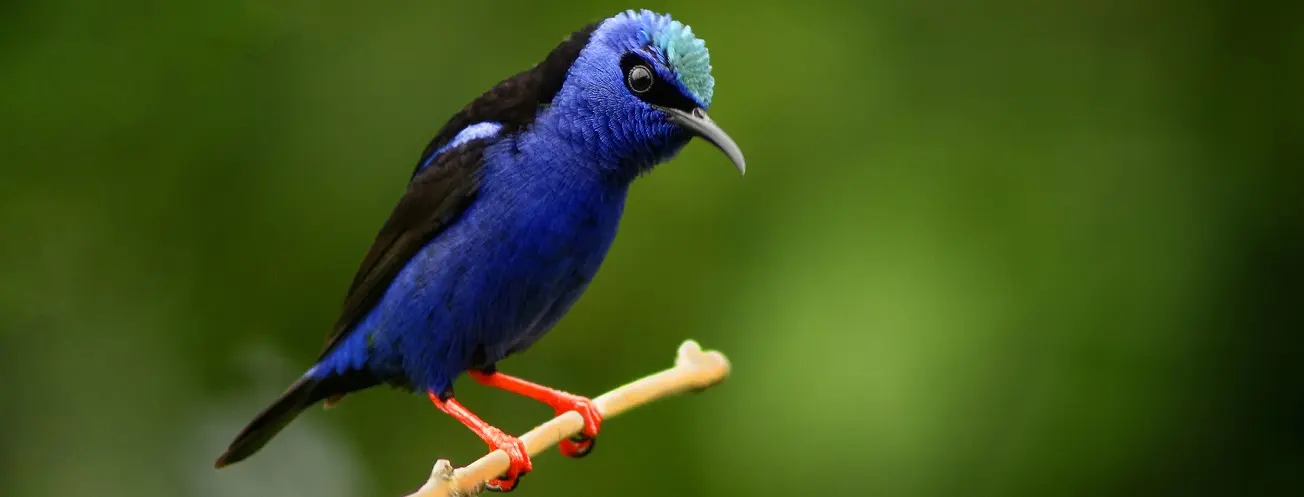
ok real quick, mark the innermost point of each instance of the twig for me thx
(694, 370)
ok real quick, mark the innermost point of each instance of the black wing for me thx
(515, 101)
(433, 201)
(440, 192)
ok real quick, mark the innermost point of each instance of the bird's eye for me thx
(639, 79)
(646, 85)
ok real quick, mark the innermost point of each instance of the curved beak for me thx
(698, 123)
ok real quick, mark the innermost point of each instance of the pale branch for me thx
(694, 369)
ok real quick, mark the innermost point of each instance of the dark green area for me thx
(1004, 248)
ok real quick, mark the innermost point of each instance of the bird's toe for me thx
(582, 443)
(520, 463)
(577, 446)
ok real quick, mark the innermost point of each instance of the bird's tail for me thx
(303, 393)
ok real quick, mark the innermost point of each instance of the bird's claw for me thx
(577, 446)
(520, 465)
(581, 444)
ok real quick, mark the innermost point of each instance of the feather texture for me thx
(508, 214)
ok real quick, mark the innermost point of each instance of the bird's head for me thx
(644, 82)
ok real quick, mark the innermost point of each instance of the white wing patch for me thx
(472, 132)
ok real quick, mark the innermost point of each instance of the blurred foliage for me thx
(983, 248)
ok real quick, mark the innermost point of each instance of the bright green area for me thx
(1003, 248)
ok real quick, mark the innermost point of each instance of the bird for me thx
(507, 215)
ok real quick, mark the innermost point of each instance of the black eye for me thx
(644, 84)
(639, 79)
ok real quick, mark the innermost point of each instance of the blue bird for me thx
(507, 216)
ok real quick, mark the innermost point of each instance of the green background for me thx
(1006, 248)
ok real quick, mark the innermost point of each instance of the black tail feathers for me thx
(301, 395)
(271, 420)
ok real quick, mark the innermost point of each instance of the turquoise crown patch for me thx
(685, 53)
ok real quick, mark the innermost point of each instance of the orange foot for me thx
(577, 446)
(582, 444)
(516, 452)
(496, 440)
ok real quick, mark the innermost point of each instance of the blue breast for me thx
(501, 276)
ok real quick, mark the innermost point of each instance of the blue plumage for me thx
(508, 217)
(498, 277)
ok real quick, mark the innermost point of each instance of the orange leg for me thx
(495, 438)
(560, 401)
